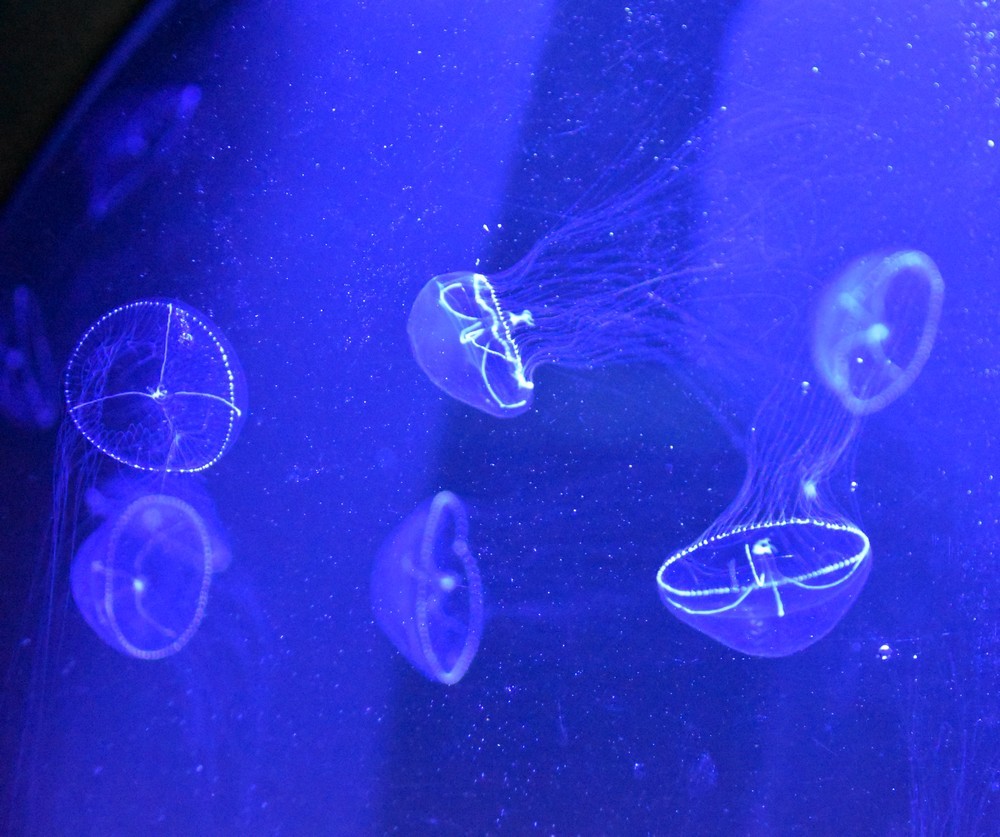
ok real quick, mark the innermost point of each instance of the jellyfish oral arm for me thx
(764, 547)
(491, 335)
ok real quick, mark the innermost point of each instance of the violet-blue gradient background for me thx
(340, 155)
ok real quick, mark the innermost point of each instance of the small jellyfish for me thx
(155, 385)
(29, 390)
(875, 328)
(141, 580)
(612, 284)
(463, 339)
(768, 588)
(781, 566)
(135, 140)
(426, 592)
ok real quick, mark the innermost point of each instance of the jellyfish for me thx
(134, 140)
(876, 326)
(426, 591)
(141, 579)
(154, 396)
(29, 391)
(611, 284)
(155, 385)
(782, 565)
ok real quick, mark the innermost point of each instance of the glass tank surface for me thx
(493, 418)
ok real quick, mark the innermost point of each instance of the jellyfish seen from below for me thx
(141, 580)
(29, 390)
(609, 285)
(154, 385)
(426, 591)
(876, 326)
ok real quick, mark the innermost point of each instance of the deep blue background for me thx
(337, 159)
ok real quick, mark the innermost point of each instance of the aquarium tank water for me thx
(527, 416)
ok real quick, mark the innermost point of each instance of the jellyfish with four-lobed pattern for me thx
(155, 385)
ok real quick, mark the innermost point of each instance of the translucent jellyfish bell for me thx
(134, 140)
(769, 588)
(609, 285)
(141, 580)
(463, 339)
(426, 592)
(155, 385)
(876, 326)
(780, 566)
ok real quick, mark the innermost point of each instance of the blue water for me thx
(298, 174)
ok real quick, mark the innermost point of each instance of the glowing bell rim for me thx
(855, 561)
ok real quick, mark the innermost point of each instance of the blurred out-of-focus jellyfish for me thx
(155, 385)
(426, 592)
(29, 389)
(133, 140)
(781, 566)
(876, 326)
(612, 284)
(141, 580)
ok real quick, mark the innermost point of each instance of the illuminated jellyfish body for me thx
(780, 567)
(426, 591)
(154, 385)
(153, 393)
(463, 339)
(141, 580)
(607, 286)
(768, 588)
(876, 326)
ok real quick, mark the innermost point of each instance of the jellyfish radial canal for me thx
(463, 339)
(154, 385)
(426, 591)
(876, 326)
